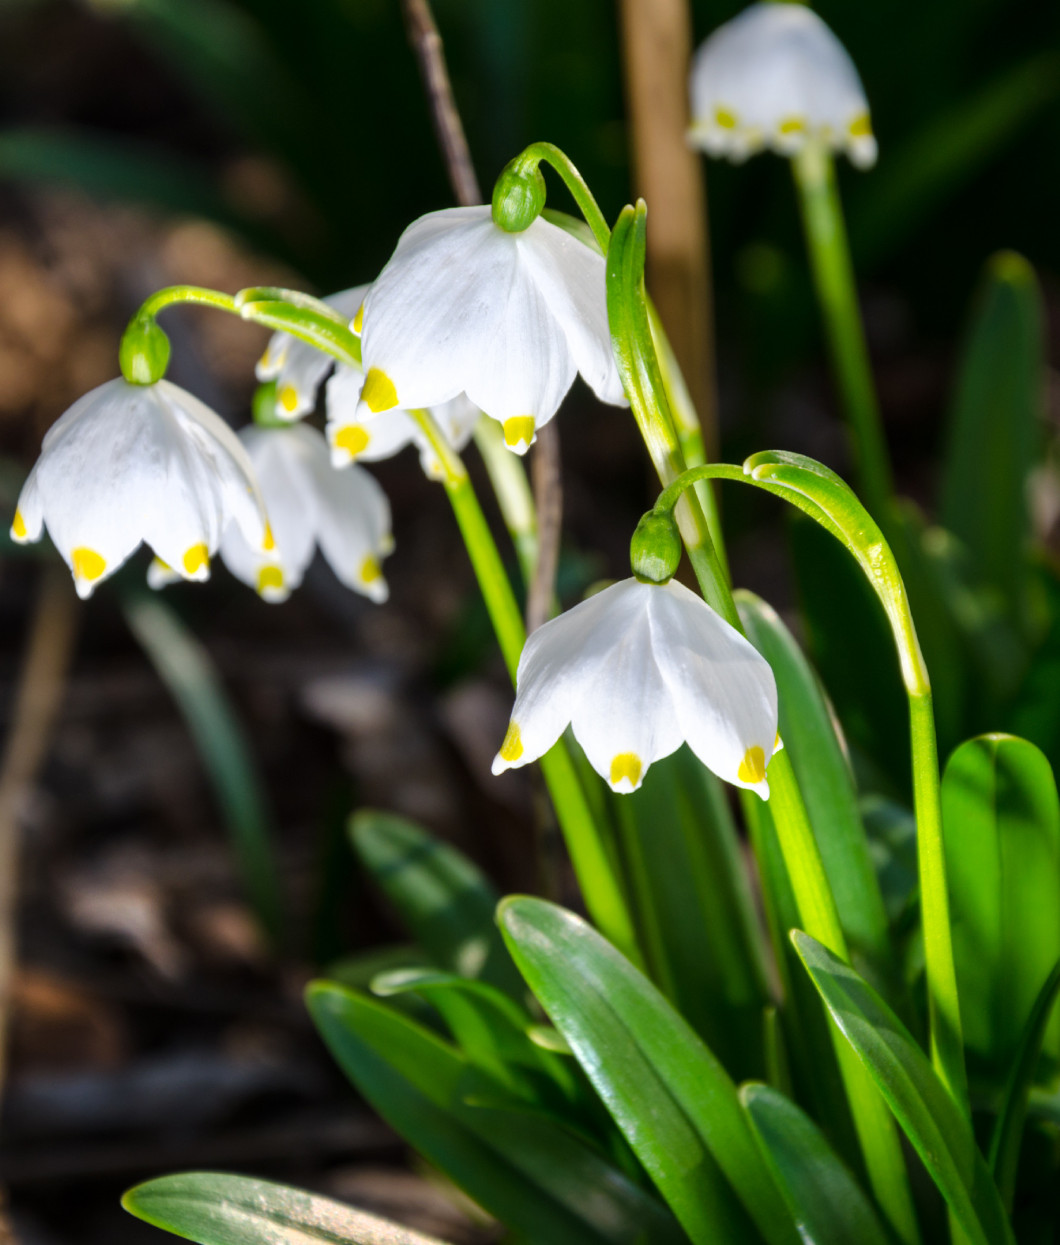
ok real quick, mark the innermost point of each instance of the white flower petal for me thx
(354, 432)
(777, 76)
(354, 528)
(723, 692)
(573, 279)
(297, 367)
(464, 306)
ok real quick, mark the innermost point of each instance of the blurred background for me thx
(152, 1024)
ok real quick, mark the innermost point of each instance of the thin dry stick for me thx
(548, 497)
(52, 631)
(657, 46)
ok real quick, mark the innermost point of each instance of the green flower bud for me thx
(518, 196)
(144, 352)
(655, 550)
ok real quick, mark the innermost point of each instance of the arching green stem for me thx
(826, 498)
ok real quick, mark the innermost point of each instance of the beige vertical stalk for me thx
(657, 42)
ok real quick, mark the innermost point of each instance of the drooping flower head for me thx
(310, 504)
(297, 367)
(637, 670)
(776, 76)
(465, 306)
(140, 463)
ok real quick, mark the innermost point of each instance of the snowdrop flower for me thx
(354, 432)
(636, 670)
(130, 463)
(297, 367)
(776, 76)
(346, 513)
(464, 306)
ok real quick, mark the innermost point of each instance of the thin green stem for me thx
(826, 240)
(596, 871)
(196, 294)
(512, 489)
(531, 156)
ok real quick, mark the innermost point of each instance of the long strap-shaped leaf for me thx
(216, 1209)
(939, 1132)
(825, 1199)
(533, 1175)
(673, 1100)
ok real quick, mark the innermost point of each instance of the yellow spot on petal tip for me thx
(512, 748)
(358, 320)
(860, 127)
(378, 393)
(753, 766)
(288, 398)
(519, 430)
(196, 559)
(725, 119)
(18, 526)
(792, 125)
(353, 439)
(268, 542)
(270, 582)
(87, 563)
(371, 571)
(628, 766)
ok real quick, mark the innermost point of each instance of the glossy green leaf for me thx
(186, 669)
(1001, 822)
(444, 900)
(995, 429)
(824, 1198)
(694, 909)
(940, 1134)
(491, 1029)
(826, 782)
(218, 1209)
(1008, 1131)
(535, 1176)
(666, 1091)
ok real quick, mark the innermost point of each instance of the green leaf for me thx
(693, 904)
(826, 783)
(1001, 825)
(940, 1134)
(492, 1030)
(672, 1099)
(444, 900)
(217, 1209)
(824, 1198)
(536, 1177)
(1008, 1130)
(186, 669)
(995, 429)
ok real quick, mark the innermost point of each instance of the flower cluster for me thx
(480, 312)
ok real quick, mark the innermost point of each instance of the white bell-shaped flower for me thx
(354, 432)
(777, 77)
(346, 513)
(297, 367)
(637, 670)
(130, 463)
(507, 318)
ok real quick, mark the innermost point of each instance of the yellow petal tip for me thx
(512, 748)
(196, 559)
(626, 767)
(353, 439)
(519, 430)
(87, 563)
(378, 393)
(752, 768)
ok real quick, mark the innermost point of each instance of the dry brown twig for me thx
(546, 475)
